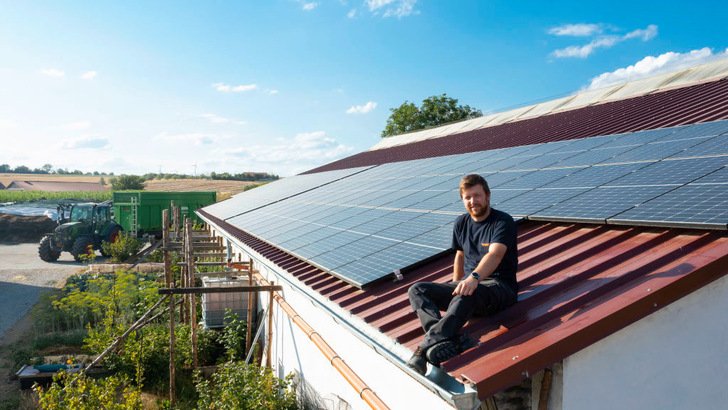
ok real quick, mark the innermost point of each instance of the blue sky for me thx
(282, 86)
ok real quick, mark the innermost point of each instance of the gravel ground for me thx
(24, 276)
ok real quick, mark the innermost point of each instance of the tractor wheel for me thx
(113, 237)
(46, 252)
(82, 246)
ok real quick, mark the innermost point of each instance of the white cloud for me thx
(8, 124)
(89, 75)
(197, 138)
(52, 72)
(289, 156)
(76, 126)
(273, 92)
(605, 41)
(309, 6)
(392, 8)
(587, 49)
(351, 14)
(647, 34)
(577, 30)
(88, 142)
(215, 119)
(650, 66)
(226, 88)
(362, 109)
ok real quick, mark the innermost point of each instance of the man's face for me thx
(476, 202)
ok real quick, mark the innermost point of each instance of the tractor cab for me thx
(81, 229)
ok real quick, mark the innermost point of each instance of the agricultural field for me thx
(7, 178)
(186, 185)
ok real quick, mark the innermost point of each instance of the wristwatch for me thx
(475, 275)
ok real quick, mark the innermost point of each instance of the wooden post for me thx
(191, 283)
(250, 307)
(543, 399)
(268, 359)
(170, 284)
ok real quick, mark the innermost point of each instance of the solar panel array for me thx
(363, 224)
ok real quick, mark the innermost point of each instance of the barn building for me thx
(621, 198)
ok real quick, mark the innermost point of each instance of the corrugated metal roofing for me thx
(579, 283)
(688, 105)
(701, 73)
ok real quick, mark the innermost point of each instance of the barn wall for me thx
(673, 359)
(293, 352)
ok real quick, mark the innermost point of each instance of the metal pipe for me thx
(365, 392)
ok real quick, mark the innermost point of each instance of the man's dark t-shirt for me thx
(474, 239)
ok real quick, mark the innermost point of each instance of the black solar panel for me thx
(656, 151)
(601, 203)
(363, 224)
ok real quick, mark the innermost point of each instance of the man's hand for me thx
(466, 287)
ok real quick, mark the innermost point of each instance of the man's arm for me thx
(458, 270)
(485, 268)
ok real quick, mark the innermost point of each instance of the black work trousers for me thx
(428, 299)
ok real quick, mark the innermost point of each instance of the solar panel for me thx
(671, 172)
(593, 176)
(594, 156)
(537, 179)
(598, 204)
(697, 204)
(655, 151)
(702, 129)
(362, 224)
(275, 191)
(539, 199)
(714, 146)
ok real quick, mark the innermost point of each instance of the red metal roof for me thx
(687, 105)
(579, 284)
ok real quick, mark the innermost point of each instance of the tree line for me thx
(45, 169)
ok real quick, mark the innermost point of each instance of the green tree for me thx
(435, 110)
(127, 182)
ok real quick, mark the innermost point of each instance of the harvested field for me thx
(7, 178)
(186, 185)
(223, 188)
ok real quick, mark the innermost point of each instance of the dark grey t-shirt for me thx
(474, 239)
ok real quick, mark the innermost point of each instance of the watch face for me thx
(475, 275)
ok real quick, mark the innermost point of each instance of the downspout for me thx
(365, 392)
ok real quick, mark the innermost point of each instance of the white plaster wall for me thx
(676, 358)
(293, 350)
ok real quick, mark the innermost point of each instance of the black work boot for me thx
(447, 349)
(418, 362)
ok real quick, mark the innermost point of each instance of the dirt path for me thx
(24, 276)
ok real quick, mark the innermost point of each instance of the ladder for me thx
(134, 216)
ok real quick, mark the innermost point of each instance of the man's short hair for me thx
(472, 180)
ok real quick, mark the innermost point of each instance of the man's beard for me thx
(479, 214)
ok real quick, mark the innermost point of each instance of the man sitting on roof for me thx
(484, 277)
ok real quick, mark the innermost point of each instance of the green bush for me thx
(125, 247)
(237, 385)
(232, 336)
(78, 392)
(86, 299)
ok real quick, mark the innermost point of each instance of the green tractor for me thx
(82, 232)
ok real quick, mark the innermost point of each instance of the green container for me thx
(146, 208)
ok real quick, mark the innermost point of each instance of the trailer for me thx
(140, 212)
